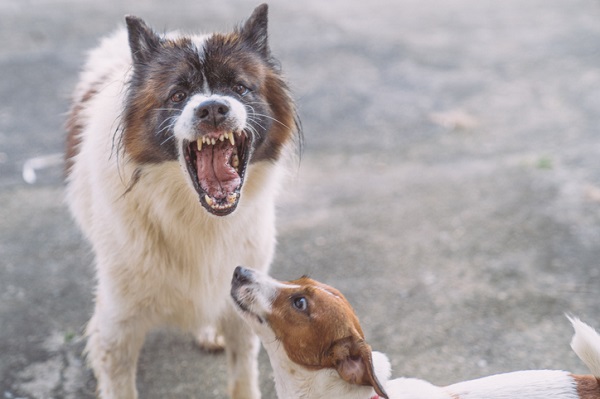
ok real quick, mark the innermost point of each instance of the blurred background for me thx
(449, 184)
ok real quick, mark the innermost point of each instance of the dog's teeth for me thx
(199, 143)
(208, 200)
(221, 138)
(213, 141)
(203, 139)
(232, 139)
(231, 198)
(235, 161)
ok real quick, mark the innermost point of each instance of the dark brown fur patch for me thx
(147, 136)
(588, 386)
(229, 60)
(75, 124)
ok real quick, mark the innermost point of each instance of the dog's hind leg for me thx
(112, 349)
(241, 349)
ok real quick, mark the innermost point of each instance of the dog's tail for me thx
(586, 344)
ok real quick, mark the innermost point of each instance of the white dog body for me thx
(162, 228)
(317, 351)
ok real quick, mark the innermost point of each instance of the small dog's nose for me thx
(212, 112)
(242, 275)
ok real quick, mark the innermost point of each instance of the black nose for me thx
(242, 275)
(212, 112)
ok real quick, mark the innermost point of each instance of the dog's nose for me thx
(212, 112)
(242, 275)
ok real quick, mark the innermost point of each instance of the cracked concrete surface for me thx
(450, 183)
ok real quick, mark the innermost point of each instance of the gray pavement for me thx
(450, 183)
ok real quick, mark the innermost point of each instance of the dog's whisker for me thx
(167, 140)
(168, 109)
(274, 120)
(170, 124)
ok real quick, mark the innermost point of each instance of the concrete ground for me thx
(450, 183)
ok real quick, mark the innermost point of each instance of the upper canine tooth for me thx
(232, 139)
(199, 144)
(208, 200)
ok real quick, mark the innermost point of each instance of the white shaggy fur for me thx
(160, 257)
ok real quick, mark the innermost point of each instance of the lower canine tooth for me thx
(231, 198)
(235, 161)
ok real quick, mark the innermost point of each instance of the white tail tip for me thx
(586, 344)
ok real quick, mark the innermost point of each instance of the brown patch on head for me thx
(319, 329)
(160, 67)
(244, 56)
(588, 386)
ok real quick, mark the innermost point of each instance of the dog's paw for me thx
(210, 340)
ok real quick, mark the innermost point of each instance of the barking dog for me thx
(174, 151)
(317, 350)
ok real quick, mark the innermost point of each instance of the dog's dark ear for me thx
(353, 361)
(254, 30)
(143, 42)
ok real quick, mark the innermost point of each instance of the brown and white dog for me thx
(317, 350)
(175, 148)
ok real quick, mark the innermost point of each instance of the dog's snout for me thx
(242, 275)
(212, 112)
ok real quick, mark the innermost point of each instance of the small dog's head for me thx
(216, 103)
(314, 323)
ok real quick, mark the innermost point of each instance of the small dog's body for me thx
(168, 135)
(317, 350)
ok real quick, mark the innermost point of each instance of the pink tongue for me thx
(215, 175)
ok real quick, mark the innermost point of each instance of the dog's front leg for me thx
(241, 349)
(113, 349)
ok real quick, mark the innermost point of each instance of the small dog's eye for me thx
(241, 89)
(178, 97)
(300, 303)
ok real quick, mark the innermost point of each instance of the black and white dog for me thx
(174, 153)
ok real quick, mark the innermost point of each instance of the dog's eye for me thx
(178, 96)
(300, 303)
(241, 89)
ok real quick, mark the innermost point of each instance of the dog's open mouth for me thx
(217, 165)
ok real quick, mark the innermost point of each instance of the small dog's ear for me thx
(143, 42)
(254, 30)
(353, 362)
